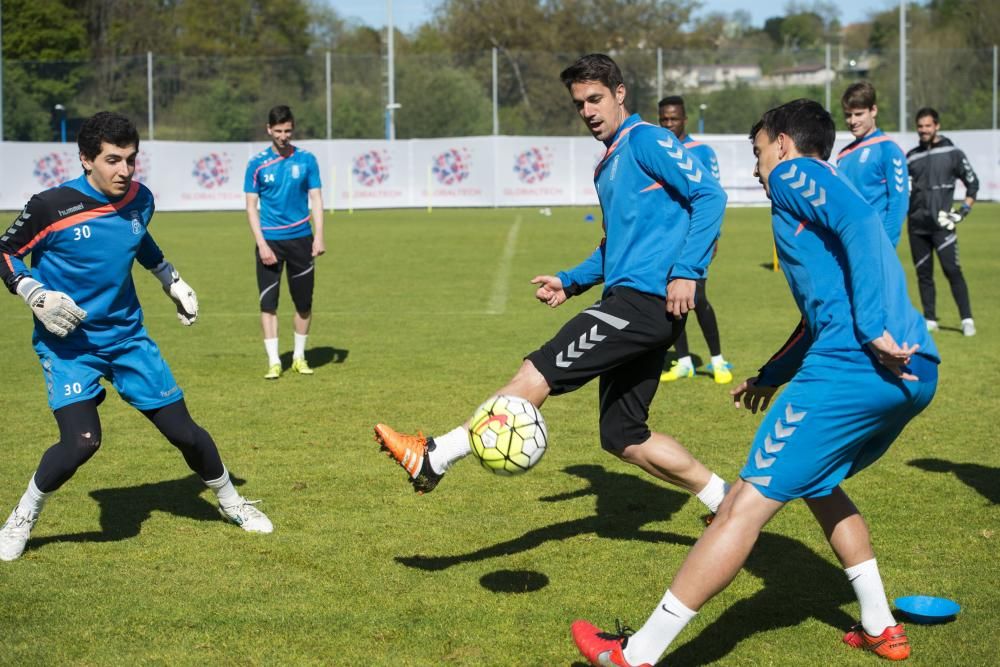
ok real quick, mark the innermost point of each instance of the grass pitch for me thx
(418, 317)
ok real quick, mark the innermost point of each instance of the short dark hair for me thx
(280, 114)
(808, 124)
(672, 101)
(859, 95)
(928, 111)
(106, 127)
(594, 67)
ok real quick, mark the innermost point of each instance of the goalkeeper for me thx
(934, 166)
(83, 237)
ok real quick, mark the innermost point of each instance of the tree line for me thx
(219, 66)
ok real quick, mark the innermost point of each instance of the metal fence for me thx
(341, 96)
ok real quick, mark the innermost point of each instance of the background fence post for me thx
(149, 92)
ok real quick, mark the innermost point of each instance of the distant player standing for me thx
(851, 392)
(661, 218)
(83, 237)
(673, 116)
(873, 162)
(285, 181)
(935, 164)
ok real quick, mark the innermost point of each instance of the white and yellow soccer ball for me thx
(508, 435)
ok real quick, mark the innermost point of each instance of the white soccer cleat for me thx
(932, 325)
(14, 534)
(246, 516)
(968, 327)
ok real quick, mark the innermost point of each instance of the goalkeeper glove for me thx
(179, 291)
(55, 310)
(948, 219)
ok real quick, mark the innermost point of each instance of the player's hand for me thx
(57, 312)
(179, 292)
(892, 356)
(267, 256)
(948, 219)
(550, 290)
(318, 247)
(756, 397)
(680, 296)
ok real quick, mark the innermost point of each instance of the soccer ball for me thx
(508, 435)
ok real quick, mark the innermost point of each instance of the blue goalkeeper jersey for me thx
(841, 267)
(876, 166)
(83, 244)
(662, 213)
(283, 185)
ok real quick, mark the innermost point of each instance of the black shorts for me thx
(297, 254)
(623, 340)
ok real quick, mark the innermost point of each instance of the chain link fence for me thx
(345, 96)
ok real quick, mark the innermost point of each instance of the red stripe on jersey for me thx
(654, 186)
(802, 225)
(269, 163)
(294, 224)
(82, 217)
(848, 150)
(10, 264)
(692, 144)
(790, 343)
(612, 147)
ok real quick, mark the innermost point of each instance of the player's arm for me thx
(151, 257)
(755, 393)
(583, 276)
(316, 207)
(253, 217)
(832, 204)
(57, 311)
(897, 178)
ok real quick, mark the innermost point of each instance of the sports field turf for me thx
(419, 316)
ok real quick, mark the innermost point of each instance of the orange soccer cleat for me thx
(892, 644)
(602, 648)
(410, 451)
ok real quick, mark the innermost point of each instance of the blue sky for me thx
(408, 14)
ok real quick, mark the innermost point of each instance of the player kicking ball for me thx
(661, 217)
(83, 237)
(852, 389)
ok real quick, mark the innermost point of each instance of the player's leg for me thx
(202, 457)
(721, 369)
(947, 250)
(79, 439)
(144, 380)
(710, 566)
(301, 281)
(268, 284)
(922, 252)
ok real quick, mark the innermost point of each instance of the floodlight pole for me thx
(902, 65)
(149, 91)
(329, 98)
(496, 95)
(1, 71)
(390, 108)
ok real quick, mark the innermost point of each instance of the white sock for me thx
(660, 629)
(449, 448)
(224, 489)
(271, 346)
(33, 500)
(718, 360)
(300, 346)
(686, 362)
(867, 583)
(713, 493)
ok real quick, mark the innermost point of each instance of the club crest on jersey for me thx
(136, 223)
(865, 153)
(295, 171)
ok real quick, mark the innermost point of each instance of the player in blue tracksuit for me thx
(873, 162)
(851, 390)
(662, 213)
(83, 237)
(282, 187)
(673, 116)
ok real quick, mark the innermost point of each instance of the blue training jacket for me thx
(876, 166)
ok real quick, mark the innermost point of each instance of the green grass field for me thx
(418, 318)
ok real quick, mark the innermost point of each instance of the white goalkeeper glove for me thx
(179, 291)
(948, 219)
(55, 310)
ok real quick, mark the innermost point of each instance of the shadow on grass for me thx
(125, 509)
(982, 479)
(318, 356)
(625, 504)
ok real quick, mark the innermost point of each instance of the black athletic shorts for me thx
(623, 340)
(297, 254)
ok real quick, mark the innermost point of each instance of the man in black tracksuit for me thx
(934, 165)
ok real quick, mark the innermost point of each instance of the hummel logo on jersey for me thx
(898, 169)
(692, 172)
(815, 196)
(71, 209)
(576, 349)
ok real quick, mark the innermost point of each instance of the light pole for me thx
(61, 115)
(701, 118)
(390, 108)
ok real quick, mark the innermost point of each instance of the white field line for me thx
(501, 284)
